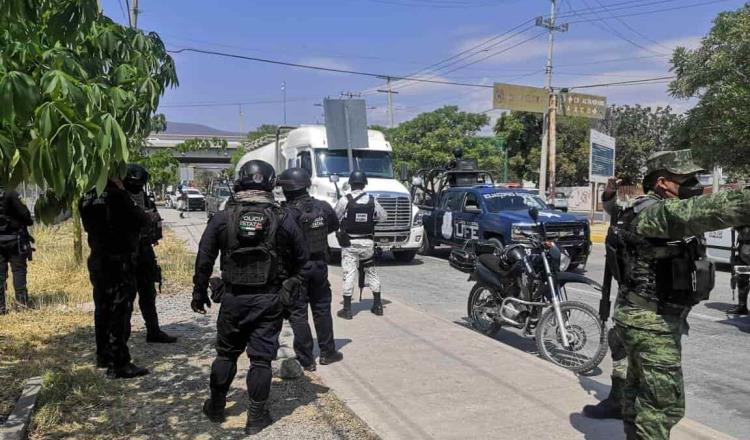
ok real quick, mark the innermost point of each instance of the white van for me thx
(719, 246)
(306, 147)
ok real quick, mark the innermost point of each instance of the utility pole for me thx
(390, 92)
(134, 11)
(242, 120)
(549, 144)
(283, 90)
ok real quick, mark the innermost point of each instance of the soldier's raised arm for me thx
(674, 218)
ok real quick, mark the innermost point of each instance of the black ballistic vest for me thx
(5, 223)
(252, 258)
(313, 224)
(359, 221)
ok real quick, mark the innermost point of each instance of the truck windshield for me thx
(507, 201)
(373, 163)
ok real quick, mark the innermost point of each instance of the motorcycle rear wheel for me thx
(587, 337)
(482, 300)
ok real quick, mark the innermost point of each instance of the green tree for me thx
(640, 132)
(718, 74)
(77, 94)
(429, 139)
(523, 134)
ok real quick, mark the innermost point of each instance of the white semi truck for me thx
(306, 147)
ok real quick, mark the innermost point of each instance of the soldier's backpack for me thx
(359, 221)
(251, 258)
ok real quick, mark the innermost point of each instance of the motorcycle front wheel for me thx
(481, 309)
(586, 336)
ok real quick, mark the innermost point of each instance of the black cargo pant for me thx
(318, 296)
(17, 262)
(251, 323)
(147, 274)
(113, 280)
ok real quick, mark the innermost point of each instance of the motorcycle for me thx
(523, 286)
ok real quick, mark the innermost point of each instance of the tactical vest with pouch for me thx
(658, 273)
(251, 258)
(5, 226)
(313, 224)
(359, 221)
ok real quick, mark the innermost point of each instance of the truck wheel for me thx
(427, 247)
(404, 256)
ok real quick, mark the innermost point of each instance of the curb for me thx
(18, 421)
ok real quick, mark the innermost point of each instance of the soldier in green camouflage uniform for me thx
(662, 274)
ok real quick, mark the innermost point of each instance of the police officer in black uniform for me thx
(262, 254)
(113, 223)
(147, 271)
(316, 219)
(14, 246)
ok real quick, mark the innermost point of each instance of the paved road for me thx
(716, 353)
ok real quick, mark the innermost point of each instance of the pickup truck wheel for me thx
(404, 256)
(427, 247)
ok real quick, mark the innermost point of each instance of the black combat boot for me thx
(330, 358)
(128, 371)
(609, 408)
(213, 407)
(630, 432)
(377, 304)
(741, 307)
(346, 312)
(160, 337)
(258, 417)
(103, 362)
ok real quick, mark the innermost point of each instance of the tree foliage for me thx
(523, 133)
(77, 91)
(718, 74)
(640, 132)
(429, 139)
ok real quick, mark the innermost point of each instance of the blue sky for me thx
(400, 37)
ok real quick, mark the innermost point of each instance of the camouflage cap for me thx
(678, 162)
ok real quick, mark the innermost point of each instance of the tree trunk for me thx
(77, 234)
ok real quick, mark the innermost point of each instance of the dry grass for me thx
(55, 337)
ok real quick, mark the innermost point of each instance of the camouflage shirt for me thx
(675, 219)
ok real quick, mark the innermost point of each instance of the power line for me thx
(235, 103)
(130, 21)
(632, 29)
(435, 4)
(611, 60)
(122, 9)
(656, 80)
(635, 14)
(325, 69)
(614, 31)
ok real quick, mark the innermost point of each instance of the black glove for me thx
(199, 302)
(290, 290)
(217, 287)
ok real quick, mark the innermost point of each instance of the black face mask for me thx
(690, 188)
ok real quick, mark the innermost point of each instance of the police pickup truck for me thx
(500, 216)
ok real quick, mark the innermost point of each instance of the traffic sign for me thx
(520, 98)
(578, 104)
(601, 157)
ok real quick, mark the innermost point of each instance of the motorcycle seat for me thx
(492, 262)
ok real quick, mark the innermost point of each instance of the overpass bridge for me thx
(213, 160)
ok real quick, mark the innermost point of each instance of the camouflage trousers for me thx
(654, 395)
(360, 252)
(619, 363)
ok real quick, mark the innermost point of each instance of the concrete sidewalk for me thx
(411, 375)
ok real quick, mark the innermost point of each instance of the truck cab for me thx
(306, 147)
(500, 215)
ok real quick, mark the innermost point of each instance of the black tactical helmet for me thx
(358, 178)
(256, 174)
(458, 153)
(294, 179)
(136, 177)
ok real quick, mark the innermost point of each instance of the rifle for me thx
(733, 261)
(25, 243)
(611, 270)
